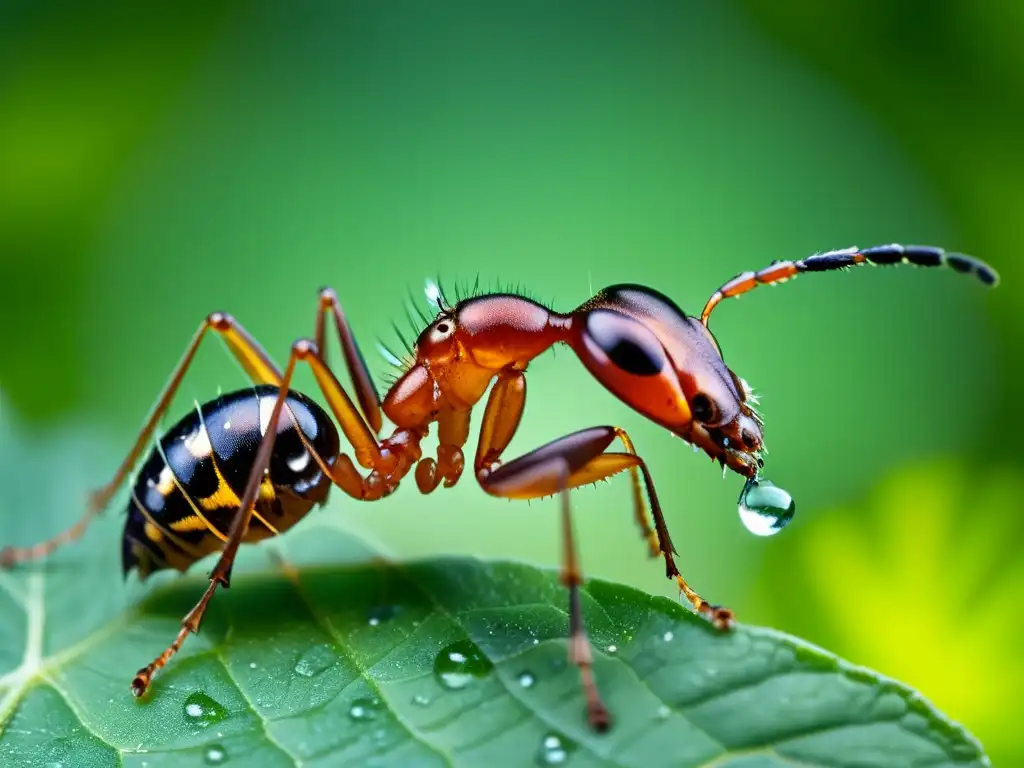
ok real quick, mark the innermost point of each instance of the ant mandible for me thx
(222, 476)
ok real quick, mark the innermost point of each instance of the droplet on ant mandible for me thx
(765, 509)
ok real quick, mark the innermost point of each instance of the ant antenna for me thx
(882, 255)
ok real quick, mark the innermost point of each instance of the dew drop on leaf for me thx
(202, 710)
(765, 509)
(667, 637)
(555, 749)
(381, 613)
(364, 709)
(316, 660)
(526, 679)
(664, 712)
(215, 755)
(420, 700)
(459, 663)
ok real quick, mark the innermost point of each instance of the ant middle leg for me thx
(500, 422)
(531, 476)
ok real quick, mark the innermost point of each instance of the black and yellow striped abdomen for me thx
(189, 488)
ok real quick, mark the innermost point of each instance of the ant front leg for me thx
(589, 463)
(452, 434)
(569, 462)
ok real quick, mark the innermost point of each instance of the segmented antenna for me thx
(881, 255)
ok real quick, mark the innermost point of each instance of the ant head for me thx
(436, 344)
(669, 367)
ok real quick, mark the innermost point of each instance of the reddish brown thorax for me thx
(633, 340)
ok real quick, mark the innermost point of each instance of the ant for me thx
(234, 471)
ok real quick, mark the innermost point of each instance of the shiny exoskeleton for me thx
(224, 476)
(189, 488)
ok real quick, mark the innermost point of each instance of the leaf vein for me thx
(371, 683)
(218, 654)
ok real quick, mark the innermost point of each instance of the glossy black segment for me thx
(222, 438)
(960, 263)
(987, 275)
(884, 254)
(628, 345)
(923, 255)
(894, 253)
(826, 261)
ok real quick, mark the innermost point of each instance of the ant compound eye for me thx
(442, 331)
(626, 343)
(702, 408)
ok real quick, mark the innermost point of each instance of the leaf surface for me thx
(325, 653)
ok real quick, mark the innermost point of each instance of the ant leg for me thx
(262, 370)
(252, 358)
(366, 393)
(530, 477)
(649, 533)
(389, 461)
(452, 434)
(501, 420)
(342, 473)
(580, 651)
(221, 573)
(543, 473)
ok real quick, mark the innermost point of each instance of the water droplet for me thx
(202, 710)
(526, 679)
(664, 712)
(667, 637)
(215, 755)
(316, 660)
(765, 509)
(252, 665)
(536, 641)
(457, 665)
(364, 709)
(420, 700)
(555, 749)
(381, 613)
(612, 648)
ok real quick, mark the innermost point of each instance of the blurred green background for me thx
(158, 163)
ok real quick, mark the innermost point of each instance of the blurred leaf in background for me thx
(81, 88)
(922, 579)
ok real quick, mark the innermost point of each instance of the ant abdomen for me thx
(190, 487)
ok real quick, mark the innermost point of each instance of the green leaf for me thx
(324, 653)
